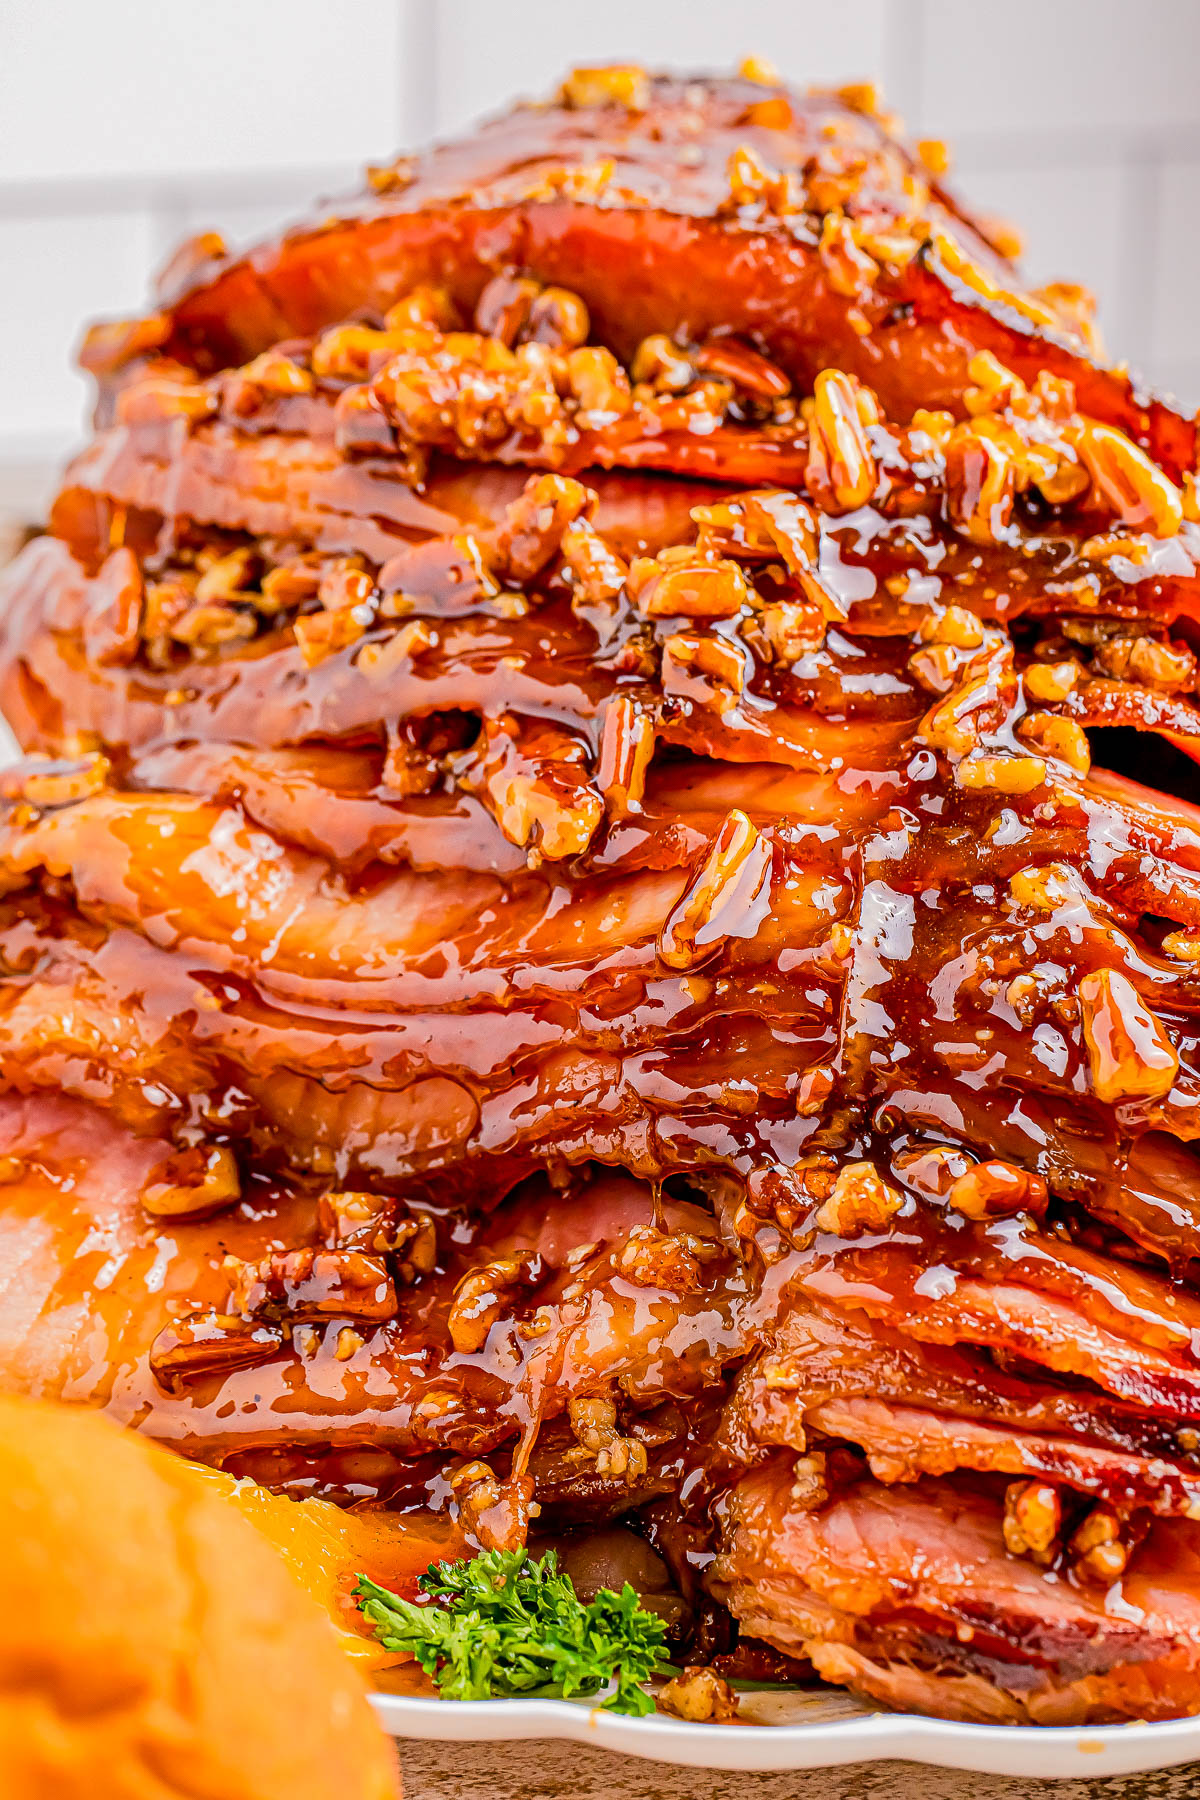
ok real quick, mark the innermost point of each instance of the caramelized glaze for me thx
(564, 954)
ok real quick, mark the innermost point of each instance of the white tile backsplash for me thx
(1178, 376)
(486, 54)
(1175, 278)
(161, 86)
(1070, 218)
(127, 125)
(1053, 66)
(58, 273)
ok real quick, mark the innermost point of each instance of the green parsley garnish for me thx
(501, 1624)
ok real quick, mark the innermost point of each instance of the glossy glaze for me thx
(613, 985)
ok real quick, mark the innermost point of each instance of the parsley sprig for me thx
(503, 1624)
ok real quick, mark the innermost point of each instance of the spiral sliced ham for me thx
(600, 917)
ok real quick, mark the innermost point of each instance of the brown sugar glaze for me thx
(564, 955)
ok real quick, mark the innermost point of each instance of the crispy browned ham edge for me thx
(654, 244)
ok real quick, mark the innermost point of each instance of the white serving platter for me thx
(822, 1730)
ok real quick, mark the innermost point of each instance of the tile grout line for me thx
(59, 198)
(1140, 228)
(418, 73)
(417, 79)
(903, 58)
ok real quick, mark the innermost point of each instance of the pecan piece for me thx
(209, 1343)
(861, 1201)
(670, 1260)
(1130, 484)
(594, 1422)
(1097, 1546)
(311, 1284)
(479, 1300)
(354, 1220)
(1032, 1519)
(1129, 1053)
(699, 1694)
(996, 1189)
(730, 896)
(193, 1184)
(496, 1513)
(841, 473)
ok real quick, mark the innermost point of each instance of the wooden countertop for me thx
(565, 1771)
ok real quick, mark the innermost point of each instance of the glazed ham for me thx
(912, 1596)
(600, 919)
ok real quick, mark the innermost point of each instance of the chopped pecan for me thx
(426, 306)
(932, 1170)
(746, 368)
(1148, 660)
(1047, 886)
(993, 1189)
(210, 627)
(599, 383)
(47, 784)
(1063, 740)
(981, 480)
(1047, 682)
(594, 1422)
(662, 1259)
(937, 667)
(311, 1284)
(626, 748)
(699, 1694)
(1032, 1519)
(729, 893)
(1002, 773)
(322, 634)
(479, 1300)
(227, 577)
(861, 1200)
(495, 1513)
(351, 1219)
(193, 1183)
(382, 660)
(536, 784)
(810, 1481)
(793, 628)
(841, 473)
(1134, 488)
(688, 587)
(850, 268)
(619, 84)
(598, 572)
(559, 318)
(661, 364)
(752, 182)
(1129, 1053)
(954, 626)
(209, 1343)
(1097, 1547)
(537, 524)
(720, 657)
